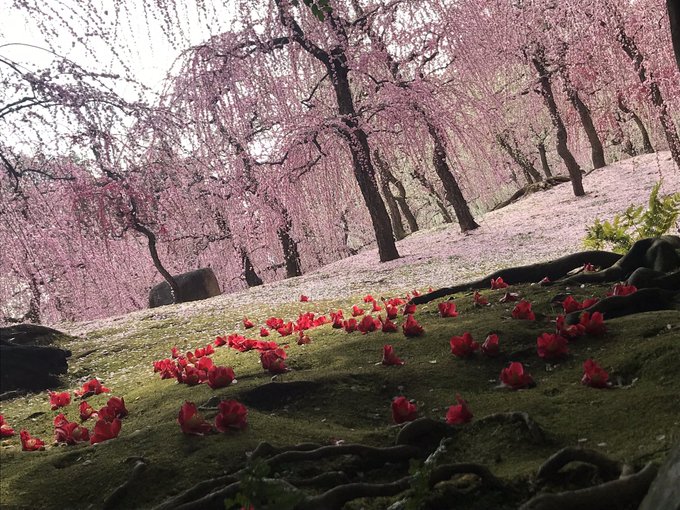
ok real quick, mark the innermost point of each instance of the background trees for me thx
(285, 138)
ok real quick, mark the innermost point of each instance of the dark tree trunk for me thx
(395, 215)
(251, 277)
(673, 7)
(291, 255)
(453, 194)
(423, 180)
(389, 177)
(544, 159)
(518, 156)
(33, 312)
(630, 48)
(596, 149)
(647, 147)
(538, 61)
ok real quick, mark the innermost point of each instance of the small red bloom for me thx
(70, 433)
(409, 309)
(403, 410)
(204, 364)
(415, 293)
(247, 323)
(395, 301)
(117, 406)
(303, 298)
(463, 346)
(220, 341)
(551, 346)
(175, 352)
(411, 327)
(369, 299)
(232, 416)
(219, 377)
(389, 357)
(304, 339)
(274, 361)
(264, 332)
(459, 414)
(515, 377)
(337, 322)
(387, 325)
(337, 315)
(92, 387)
(569, 332)
(571, 305)
(286, 329)
(190, 421)
(30, 444)
(274, 323)
(498, 283)
(447, 309)
(191, 376)
(589, 268)
(368, 324)
(5, 430)
(593, 323)
(523, 311)
(594, 375)
(356, 311)
(479, 299)
(621, 289)
(490, 346)
(58, 400)
(86, 410)
(391, 311)
(350, 325)
(376, 307)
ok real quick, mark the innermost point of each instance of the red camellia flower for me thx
(274, 361)
(447, 309)
(264, 332)
(356, 311)
(498, 283)
(515, 377)
(167, 368)
(91, 387)
(70, 433)
(350, 325)
(219, 377)
(376, 307)
(589, 268)
(459, 414)
(117, 406)
(86, 410)
(463, 346)
(568, 332)
(594, 375)
(621, 289)
(303, 298)
(58, 400)
(104, 430)
(247, 323)
(409, 309)
(391, 311)
(5, 429)
(411, 327)
(204, 364)
(175, 352)
(220, 341)
(337, 322)
(551, 346)
(593, 324)
(286, 329)
(30, 444)
(571, 305)
(403, 410)
(190, 421)
(274, 322)
(479, 299)
(387, 325)
(303, 339)
(369, 299)
(320, 321)
(232, 416)
(490, 346)
(395, 301)
(523, 311)
(368, 324)
(389, 358)
(191, 376)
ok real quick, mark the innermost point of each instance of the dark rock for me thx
(664, 493)
(193, 286)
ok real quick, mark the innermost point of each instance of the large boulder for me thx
(193, 286)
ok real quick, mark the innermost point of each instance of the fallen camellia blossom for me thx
(569, 332)
(409, 309)
(463, 346)
(369, 299)
(304, 339)
(304, 299)
(5, 429)
(387, 325)
(490, 346)
(498, 283)
(274, 322)
(593, 324)
(86, 411)
(58, 400)
(523, 311)
(411, 327)
(589, 268)
(104, 430)
(70, 433)
(264, 332)
(30, 444)
(247, 323)
(594, 375)
(286, 329)
(220, 341)
(551, 346)
(403, 410)
(479, 300)
(191, 376)
(117, 406)
(274, 361)
(447, 309)
(91, 387)
(389, 357)
(459, 414)
(205, 364)
(376, 307)
(167, 368)
(350, 325)
(368, 324)
(391, 311)
(174, 352)
(395, 301)
(232, 416)
(515, 377)
(356, 311)
(571, 305)
(190, 421)
(621, 289)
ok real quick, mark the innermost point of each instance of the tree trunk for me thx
(630, 48)
(33, 312)
(647, 147)
(452, 191)
(596, 149)
(538, 61)
(395, 215)
(518, 157)
(251, 277)
(385, 171)
(423, 180)
(673, 7)
(291, 255)
(544, 159)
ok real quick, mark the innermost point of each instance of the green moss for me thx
(348, 398)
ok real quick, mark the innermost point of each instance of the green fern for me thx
(635, 223)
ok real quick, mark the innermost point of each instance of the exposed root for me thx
(446, 471)
(265, 449)
(335, 499)
(644, 300)
(384, 455)
(196, 492)
(617, 494)
(120, 491)
(423, 429)
(534, 429)
(328, 479)
(608, 469)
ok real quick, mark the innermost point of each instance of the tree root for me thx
(617, 494)
(384, 455)
(265, 449)
(535, 431)
(335, 498)
(608, 469)
(122, 489)
(446, 471)
(644, 300)
(423, 429)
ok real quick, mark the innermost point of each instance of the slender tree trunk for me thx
(251, 277)
(395, 215)
(518, 157)
(33, 312)
(647, 147)
(673, 7)
(291, 255)
(596, 149)
(630, 48)
(453, 193)
(424, 181)
(389, 177)
(561, 138)
(544, 159)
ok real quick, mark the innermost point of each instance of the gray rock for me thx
(664, 493)
(193, 286)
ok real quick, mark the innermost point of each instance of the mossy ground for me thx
(350, 398)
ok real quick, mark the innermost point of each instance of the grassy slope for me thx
(350, 399)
